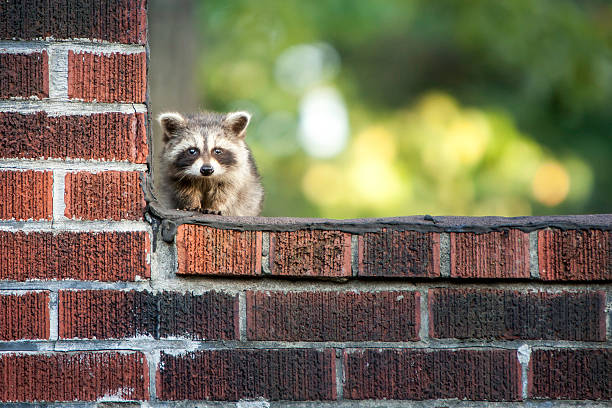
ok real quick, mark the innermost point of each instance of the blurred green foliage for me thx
(471, 107)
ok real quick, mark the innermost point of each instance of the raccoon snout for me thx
(207, 170)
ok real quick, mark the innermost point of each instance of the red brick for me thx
(121, 314)
(24, 316)
(392, 253)
(26, 195)
(409, 374)
(333, 316)
(509, 314)
(109, 195)
(107, 77)
(310, 253)
(503, 254)
(73, 377)
(122, 21)
(574, 374)
(209, 316)
(104, 256)
(575, 255)
(99, 136)
(24, 75)
(231, 375)
(210, 251)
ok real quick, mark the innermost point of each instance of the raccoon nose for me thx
(207, 170)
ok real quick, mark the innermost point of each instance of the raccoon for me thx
(207, 166)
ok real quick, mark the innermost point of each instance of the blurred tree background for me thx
(375, 108)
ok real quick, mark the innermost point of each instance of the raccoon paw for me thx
(212, 212)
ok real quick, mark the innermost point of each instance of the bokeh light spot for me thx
(551, 184)
(324, 184)
(323, 124)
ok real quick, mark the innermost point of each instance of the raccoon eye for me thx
(192, 151)
(217, 151)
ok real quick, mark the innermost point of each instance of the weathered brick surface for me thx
(408, 374)
(503, 254)
(575, 374)
(104, 256)
(24, 75)
(110, 195)
(26, 195)
(231, 375)
(575, 255)
(210, 251)
(107, 77)
(509, 314)
(100, 136)
(123, 21)
(310, 253)
(393, 253)
(333, 316)
(73, 377)
(209, 316)
(24, 316)
(120, 314)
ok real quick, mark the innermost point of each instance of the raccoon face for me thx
(206, 145)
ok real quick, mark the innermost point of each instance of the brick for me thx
(117, 314)
(109, 195)
(509, 314)
(333, 316)
(209, 316)
(104, 256)
(73, 377)
(309, 253)
(122, 21)
(409, 374)
(503, 255)
(111, 77)
(210, 251)
(126, 314)
(392, 253)
(26, 195)
(24, 75)
(24, 316)
(575, 255)
(99, 136)
(574, 374)
(231, 375)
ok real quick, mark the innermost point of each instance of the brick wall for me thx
(106, 297)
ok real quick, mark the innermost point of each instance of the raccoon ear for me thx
(171, 123)
(237, 122)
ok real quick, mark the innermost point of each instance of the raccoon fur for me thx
(207, 166)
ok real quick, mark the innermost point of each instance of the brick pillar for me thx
(73, 151)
